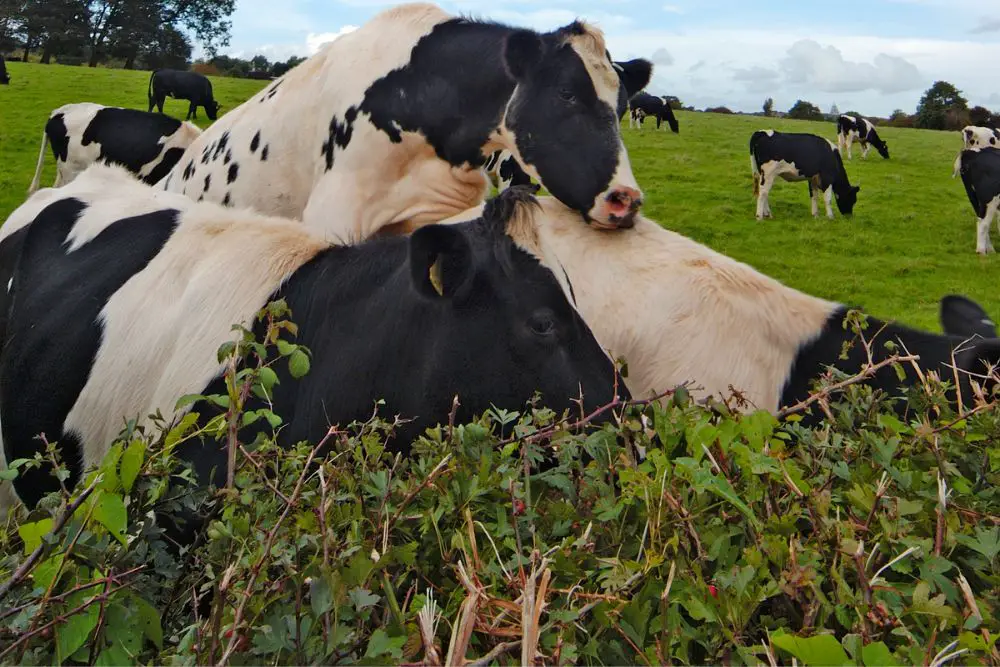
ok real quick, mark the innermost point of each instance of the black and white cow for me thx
(974, 137)
(391, 124)
(190, 86)
(742, 329)
(800, 157)
(852, 129)
(119, 298)
(961, 316)
(147, 144)
(643, 104)
(4, 77)
(980, 169)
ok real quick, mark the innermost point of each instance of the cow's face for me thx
(562, 121)
(212, 110)
(506, 322)
(847, 199)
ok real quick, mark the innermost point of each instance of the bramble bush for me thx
(673, 533)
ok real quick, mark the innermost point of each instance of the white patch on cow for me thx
(10, 283)
(975, 136)
(185, 135)
(692, 314)
(828, 200)
(984, 245)
(769, 133)
(765, 177)
(161, 330)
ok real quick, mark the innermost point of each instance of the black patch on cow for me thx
(129, 137)
(170, 177)
(234, 170)
(165, 166)
(263, 154)
(255, 142)
(225, 200)
(59, 297)
(511, 172)
(55, 130)
(208, 181)
(221, 146)
(981, 177)
(206, 154)
(228, 158)
(274, 89)
(201, 197)
(340, 135)
(188, 170)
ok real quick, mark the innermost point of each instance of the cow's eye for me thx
(567, 96)
(542, 324)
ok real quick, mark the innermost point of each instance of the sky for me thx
(870, 56)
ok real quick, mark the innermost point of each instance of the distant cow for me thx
(119, 300)
(800, 157)
(4, 77)
(259, 75)
(390, 125)
(980, 169)
(190, 86)
(147, 144)
(644, 104)
(852, 129)
(973, 137)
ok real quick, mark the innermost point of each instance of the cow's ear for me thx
(522, 53)
(635, 75)
(441, 262)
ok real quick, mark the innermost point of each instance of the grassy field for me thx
(912, 238)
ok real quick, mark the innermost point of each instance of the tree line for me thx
(142, 34)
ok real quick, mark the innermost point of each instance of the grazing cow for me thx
(643, 104)
(190, 86)
(504, 171)
(800, 157)
(961, 316)
(980, 169)
(741, 328)
(852, 129)
(4, 77)
(391, 124)
(974, 137)
(121, 296)
(147, 144)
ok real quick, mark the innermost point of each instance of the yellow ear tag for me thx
(435, 277)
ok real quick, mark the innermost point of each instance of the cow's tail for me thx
(41, 162)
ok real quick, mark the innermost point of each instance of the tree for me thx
(942, 105)
(260, 63)
(805, 111)
(279, 69)
(979, 115)
(835, 111)
(769, 107)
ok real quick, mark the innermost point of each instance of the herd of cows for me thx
(354, 187)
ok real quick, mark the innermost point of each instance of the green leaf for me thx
(320, 596)
(149, 621)
(46, 571)
(110, 512)
(32, 533)
(186, 400)
(721, 487)
(986, 542)
(72, 634)
(298, 364)
(8, 475)
(878, 655)
(817, 650)
(114, 656)
(131, 463)
(381, 644)
(285, 348)
(226, 350)
(268, 378)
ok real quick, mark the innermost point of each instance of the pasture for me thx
(911, 240)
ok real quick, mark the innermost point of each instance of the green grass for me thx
(911, 241)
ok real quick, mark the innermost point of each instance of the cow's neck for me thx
(678, 311)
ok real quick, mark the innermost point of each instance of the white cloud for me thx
(987, 24)
(811, 65)
(673, 9)
(315, 40)
(662, 57)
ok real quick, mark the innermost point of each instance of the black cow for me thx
(191, 86)
(4, 77)
(800, 157)
(855, 128)
(961, 316)
(980, 169)
(643, 104)
(117, 317)
(147, 144)
(259, 75)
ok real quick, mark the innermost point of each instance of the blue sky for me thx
(872, 56)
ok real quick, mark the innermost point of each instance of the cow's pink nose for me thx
(621, 205)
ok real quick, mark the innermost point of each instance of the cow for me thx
(147, 144)
(980, 169)
(973, 137)
(643, 104)
(190, 86)
(961, 316)
(504, 171)
(120, 297)
(4, 77)
(852, 129)
(391, 124)
(259, 75)
(641, 290)
(800, 157)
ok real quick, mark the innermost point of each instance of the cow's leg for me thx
(814, 199)
(828, 200)
(159, 102)
(850, 145)
(766, 181)
(865, 148)
(984, 245)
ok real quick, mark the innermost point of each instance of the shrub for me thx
(803, 110)
(723, 110)
(871, 539)
(208, 69)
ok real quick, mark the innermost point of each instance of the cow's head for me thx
(882, 147)
(562, 120)
(961, 316)
(505, 327)
(212, 110)
(847, 198)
